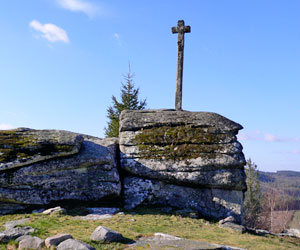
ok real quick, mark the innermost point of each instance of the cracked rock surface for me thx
(189, 160)
(60, 166)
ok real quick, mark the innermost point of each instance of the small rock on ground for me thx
(234, 227)
(94, 217)
(11, 224)
(54, 210)
(230, 222)
(104, 234)
(57, 239)
(13, 233)
(22, 238)
(31, 243)
(166, 236)
(227, 219)
(103, 210)
(293, 232)
(71, 244)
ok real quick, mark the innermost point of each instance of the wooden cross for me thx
(180, 29)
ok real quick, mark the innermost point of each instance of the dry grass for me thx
(295, 222)
(281, 220)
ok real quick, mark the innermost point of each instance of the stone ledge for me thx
(132, 120)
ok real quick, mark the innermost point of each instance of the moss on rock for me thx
(181, 134)
(16, 145)
(177, 143)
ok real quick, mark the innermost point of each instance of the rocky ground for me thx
(111, 228)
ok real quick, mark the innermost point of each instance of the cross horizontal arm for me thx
(174, 30)
(182, 29)
(187, 29)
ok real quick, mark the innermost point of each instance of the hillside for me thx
(287, 183)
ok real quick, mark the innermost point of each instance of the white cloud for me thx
(295, 152)
(251, 135)
(267, 137)
(118, 39)
(88, 8)
(271, 138)
(50, 31)
(117, 36)
(4, 126)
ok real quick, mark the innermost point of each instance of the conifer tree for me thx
(129, 100)
(253, 197)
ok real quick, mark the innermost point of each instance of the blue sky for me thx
(62, 60)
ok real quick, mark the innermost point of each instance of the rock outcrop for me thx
(185, 160)
(182, 159)
(40, 167)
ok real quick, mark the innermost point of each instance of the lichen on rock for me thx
(183, 159)
(61, 166)
(20, 147)
(181, 142)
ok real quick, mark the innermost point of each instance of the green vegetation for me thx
(21, 146)
(129, 101)
(146, 222)
(271, 199)
(11, 145)
(287, 184)
(253, 197)
(177, 143)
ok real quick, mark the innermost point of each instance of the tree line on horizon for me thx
(266, 205)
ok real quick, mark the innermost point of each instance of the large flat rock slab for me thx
(166, 241)
(181, 147)
(88, 175)
(24, 146)
(131, 120)
(188, 173)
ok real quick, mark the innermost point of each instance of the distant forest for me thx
(286, 183)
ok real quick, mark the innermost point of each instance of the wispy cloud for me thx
(118, 39)
(50, 31)
(295, 152)
(273, 138)
(290, 152)
(4, 126)
(267, 137)
(251, 135)
(86, 7)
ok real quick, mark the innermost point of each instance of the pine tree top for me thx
(129, 101)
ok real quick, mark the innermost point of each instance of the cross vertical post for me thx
(180, 29)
